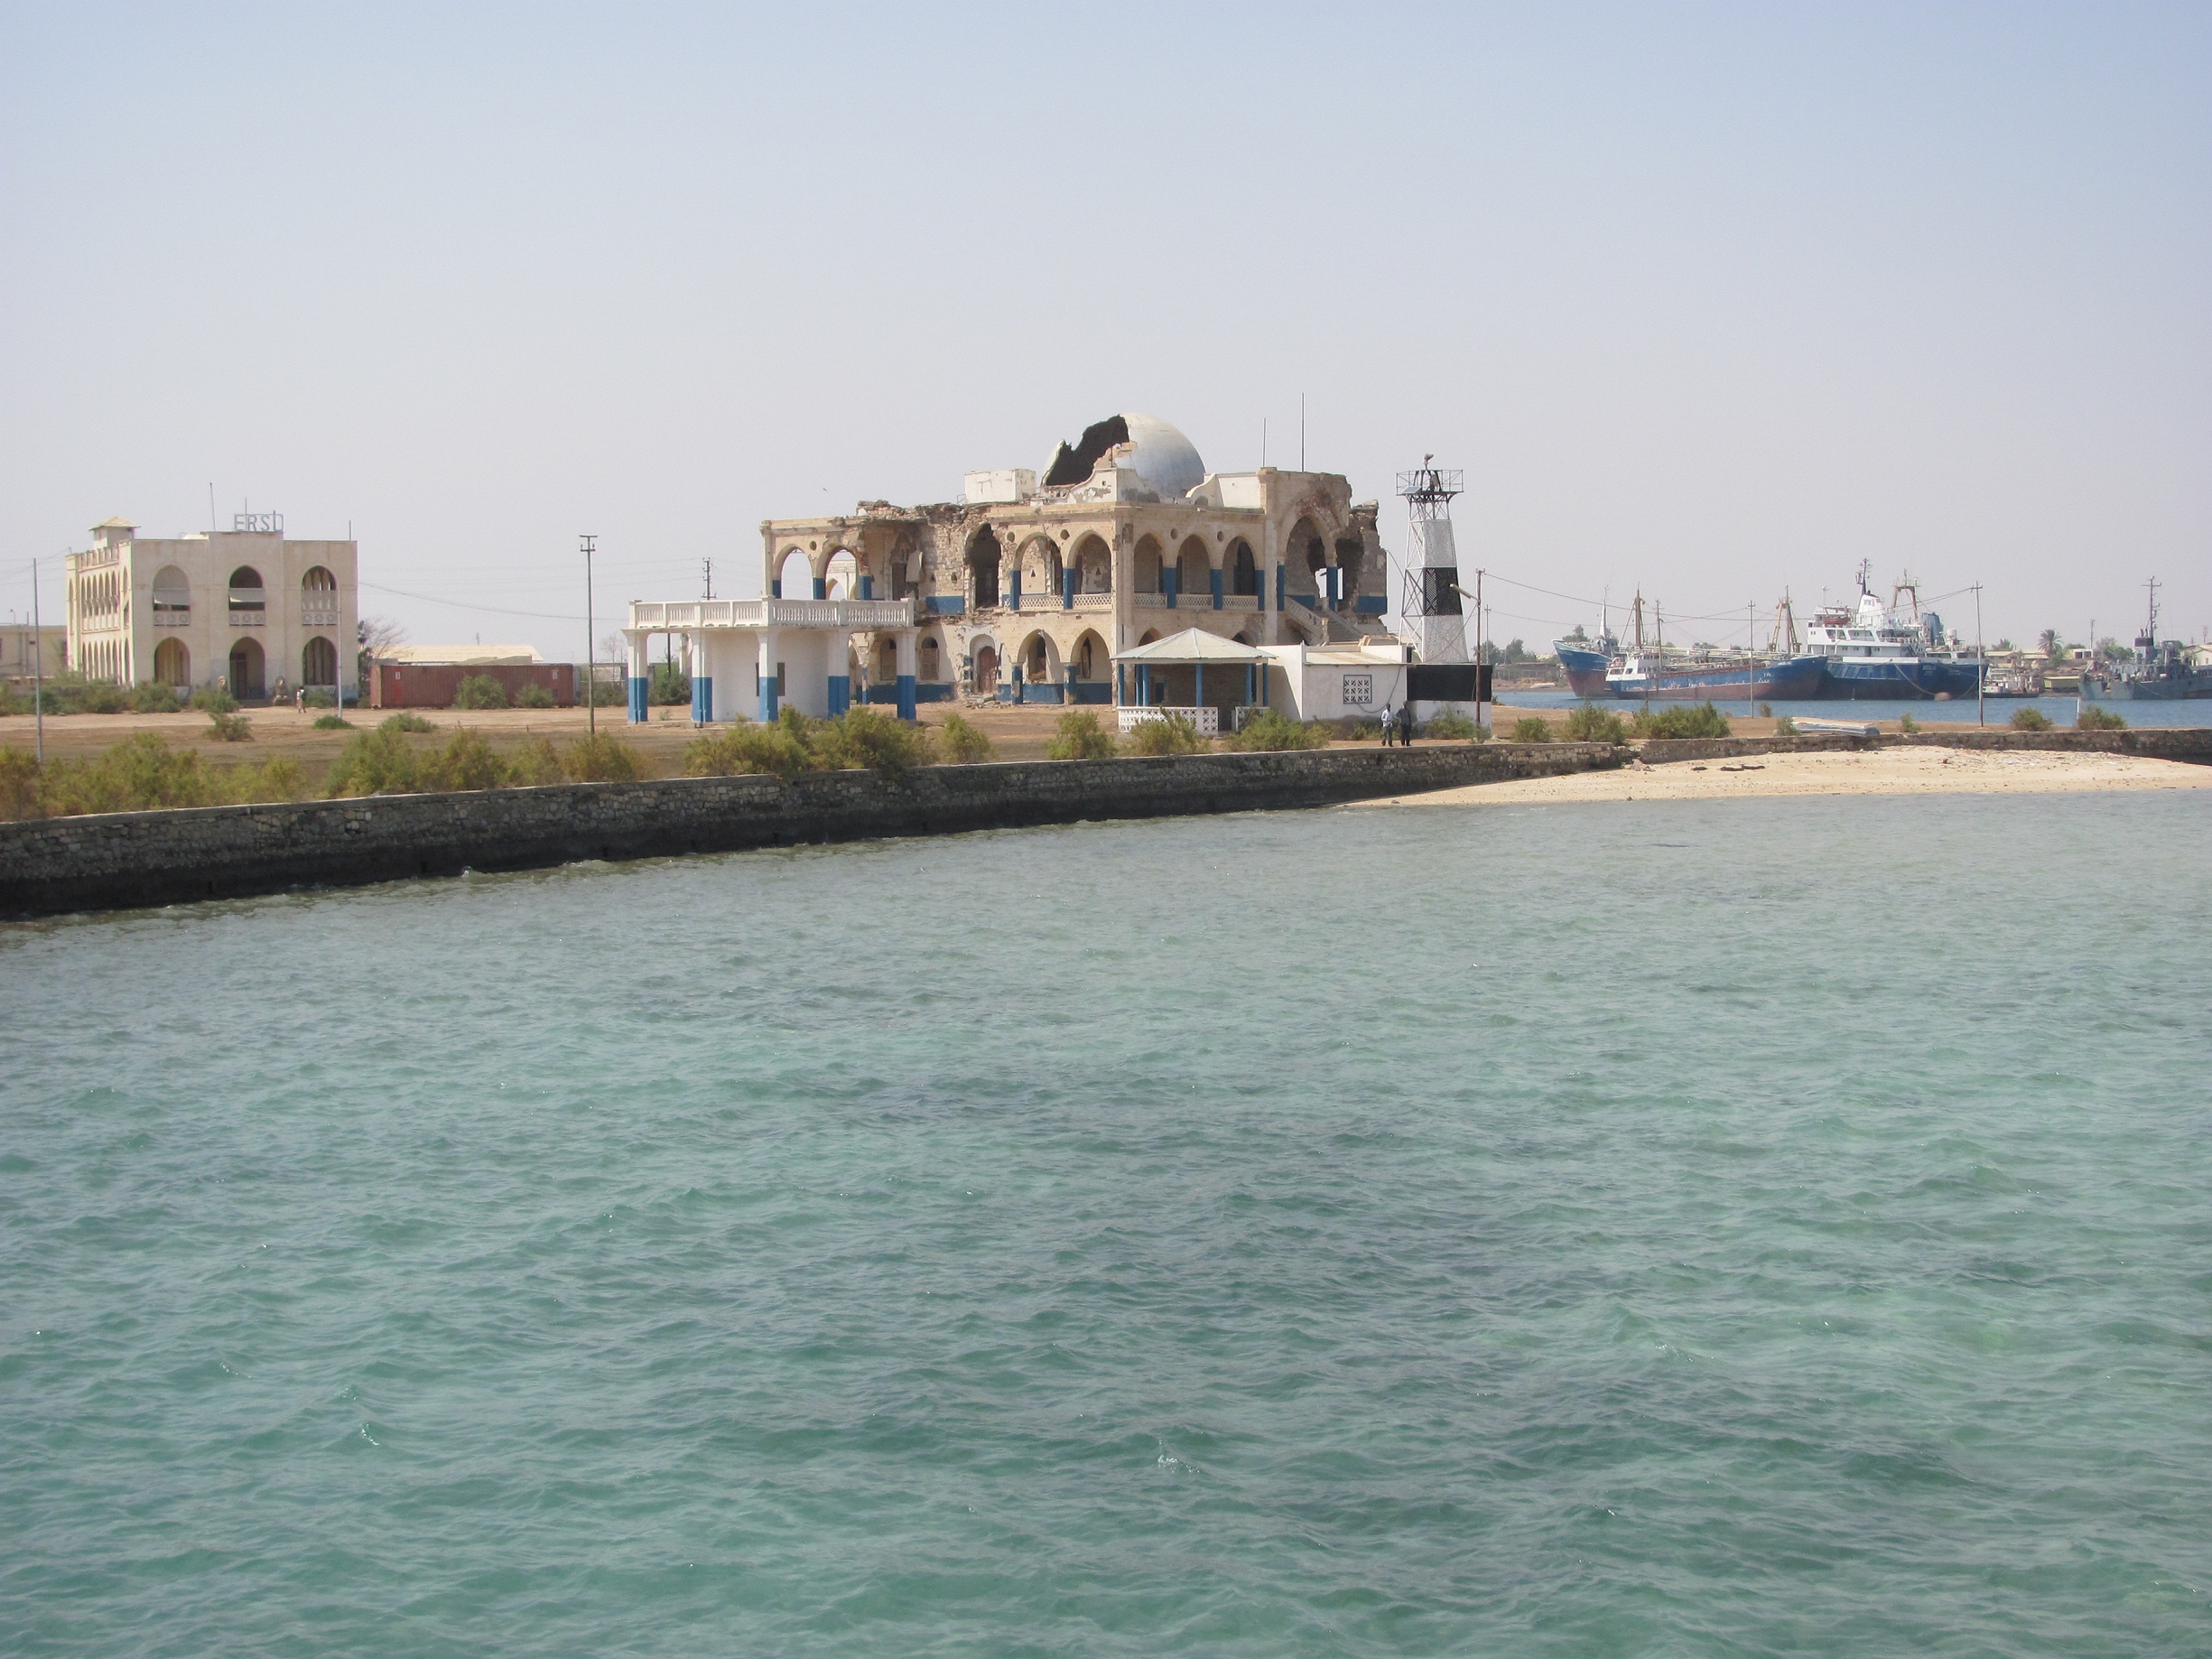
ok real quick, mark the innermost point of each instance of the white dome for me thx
(1163, 457)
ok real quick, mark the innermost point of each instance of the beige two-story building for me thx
(247, 609)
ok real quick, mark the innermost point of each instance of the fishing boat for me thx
(1874, 652)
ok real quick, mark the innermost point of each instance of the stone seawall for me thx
(123, 860)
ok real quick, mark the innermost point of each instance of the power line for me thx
(462, 604)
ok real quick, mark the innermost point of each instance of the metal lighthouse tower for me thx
(1431, 605)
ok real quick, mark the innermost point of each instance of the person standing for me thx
(1405, 725)
(1390, 721)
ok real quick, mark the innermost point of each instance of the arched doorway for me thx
(1145, 572)
(930, 659)
(319, 662)
(1094, 566)
(1243, 569)
(842, 579)
(986, 668)
(794, 577)
(1194, 575)
(247, 664)
(1091, 659)
(983, 556)
(172, 664)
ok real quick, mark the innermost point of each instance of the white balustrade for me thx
(1208, 720)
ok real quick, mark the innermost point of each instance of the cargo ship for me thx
(1646, 672)
(1874, 652)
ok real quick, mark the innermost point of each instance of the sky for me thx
(1710, 301)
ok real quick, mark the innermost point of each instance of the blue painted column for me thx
(1067, 589)
(1144, 685)
(1121, 683)
(1016, 683)
(908, 639)
(767, 674)
(1248, 684)
(868, 585)
(1217, 589)
(1282, 585)
(836, 655)
(1198, 691)
(776, 588)
(1168, 578)
(641, 676)
(822, 587)
(702, 699)
(1013, 595)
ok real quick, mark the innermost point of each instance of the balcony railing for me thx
(172, 616)
(1208, 720)
(319, 611)
(857, 614)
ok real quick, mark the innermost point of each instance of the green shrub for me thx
(667, 684)
(601, 758)
(1592, 724)
(965, 743)
(214, 700)
(2095, 719)
(11, 704)
(1682, 720)
(404, 722)
(1454, 727)
(318, 699)
(1907, 724)
(536, 762)
(152, 697)
(603, 694)
(141, 774)
(1165, 734)
(1077, 737)
(333, 723)
(868, 737)
(1766, 711)
(479, 691)
(231, 728)
(1529, 729)
(534, 696)
(379, 762)
(2031, 720)
(1784, 726)
(1269, 730)
(466, 762)
(102, 698)
(746, 749)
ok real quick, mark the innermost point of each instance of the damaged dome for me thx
(1164, 458)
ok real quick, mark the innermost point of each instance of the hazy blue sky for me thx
(1708, 299)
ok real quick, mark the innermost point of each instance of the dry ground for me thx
(1890, 771)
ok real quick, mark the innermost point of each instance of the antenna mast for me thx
(1431, 604)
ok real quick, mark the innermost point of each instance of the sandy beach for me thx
(1888, 771)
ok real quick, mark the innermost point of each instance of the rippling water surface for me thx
(1750, 1227)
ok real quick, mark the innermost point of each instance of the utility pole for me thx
(1981, 665)
(707, 565)
(591, 670)
(38, 657)
(1482, 638)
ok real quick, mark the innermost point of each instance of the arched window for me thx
(319, 662)
(1244, 569)
(247, 598)
(173, 596)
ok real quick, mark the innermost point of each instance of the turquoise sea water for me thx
(1750, 1227)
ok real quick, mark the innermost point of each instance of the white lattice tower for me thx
(1431, 605)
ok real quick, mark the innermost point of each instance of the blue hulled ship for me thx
(1876, 653)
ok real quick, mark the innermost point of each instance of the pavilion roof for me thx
(1192, 644)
